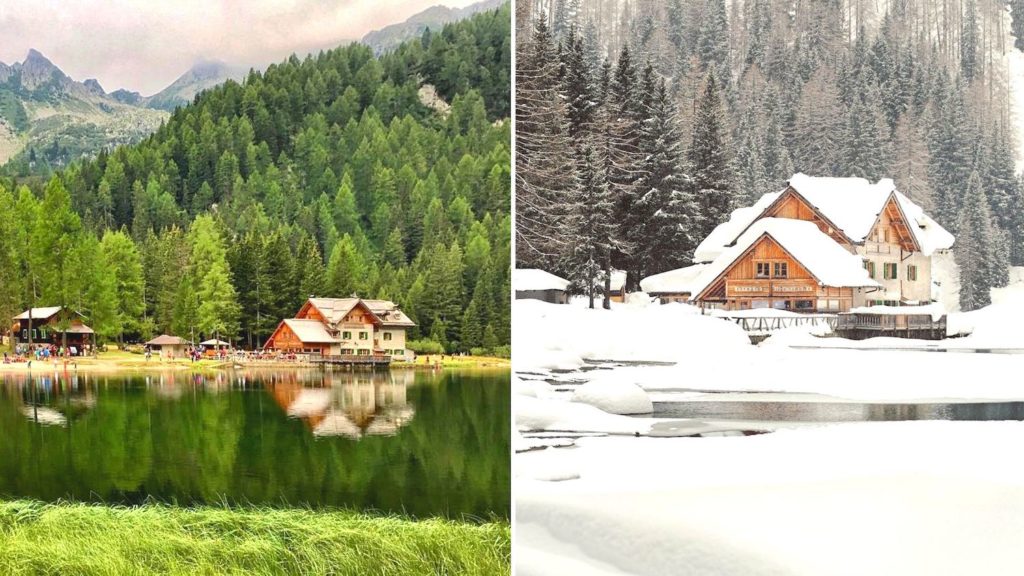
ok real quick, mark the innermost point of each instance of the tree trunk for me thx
(607, 304)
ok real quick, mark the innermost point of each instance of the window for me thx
(398, 352)
(886, 235)
(911, 272)
(889, 271)
(35, 334)
(346, 351)
(781, 270)
(346, 335)
(364, 335)
(762, 269)
(24, 334)
(387, 335)
(870, 267)
(363, 352)
(805, 304)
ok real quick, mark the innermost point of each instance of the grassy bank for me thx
(84, 539)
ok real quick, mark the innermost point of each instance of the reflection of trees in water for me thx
(195, 440)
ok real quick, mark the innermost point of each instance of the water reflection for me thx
(403, 441)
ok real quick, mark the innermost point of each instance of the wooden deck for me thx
(861, 326)
(766, 324)
(351, 359)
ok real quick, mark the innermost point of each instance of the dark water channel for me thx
(825, 411)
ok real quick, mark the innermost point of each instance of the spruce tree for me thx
(977, 249)
(711, 161)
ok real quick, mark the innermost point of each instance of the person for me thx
(148, 353)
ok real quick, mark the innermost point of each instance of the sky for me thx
(144, 45)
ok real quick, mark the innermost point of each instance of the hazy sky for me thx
(144, 45)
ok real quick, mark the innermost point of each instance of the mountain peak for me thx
(36, 57)
(94, 86)
(37, 70)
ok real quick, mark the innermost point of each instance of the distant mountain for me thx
(48, 119)
(205, 74)
(435, 17)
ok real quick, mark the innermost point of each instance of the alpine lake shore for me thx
(86, 537)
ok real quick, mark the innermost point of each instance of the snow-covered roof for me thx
(618, 280)
(852, 204)
(673, 281)
(822, 256)
(39, 313)
(524, 279)
(309, 330)
(727, 231)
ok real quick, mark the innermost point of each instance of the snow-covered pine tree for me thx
(752, 178)
(592, 231)
(622, 122)
(999, 178)
(544, 159)
(951, 145)
(1016, 224)
(970, 67)
(977, 248)
(864, 151)
(713, 37)
(819, 123)
(665, 235)
(578, 88)
(710, 158)
(910, 165)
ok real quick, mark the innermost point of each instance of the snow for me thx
(852, 204)
(1014, 66)
(673, 281)
(614, 396)
(725, 233)
(549, 414)
(535, 279)
(551, 336)
(881, 498)
(822, 256)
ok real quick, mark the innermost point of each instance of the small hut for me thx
(170, 346)
(53, 325)
(536, 284)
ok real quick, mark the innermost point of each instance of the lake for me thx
(404, 441)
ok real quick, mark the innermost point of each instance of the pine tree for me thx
(710, 160)
(344, 269)
(125, 263)
(977, 249)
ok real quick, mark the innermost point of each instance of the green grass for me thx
(90, 539)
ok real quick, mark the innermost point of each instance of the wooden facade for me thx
(54, 327)
(353, 330)
(767, 276)
(790, 204)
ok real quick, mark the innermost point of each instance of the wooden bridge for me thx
(767, 324)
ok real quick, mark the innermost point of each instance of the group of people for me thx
(193, 353)
(44, 352)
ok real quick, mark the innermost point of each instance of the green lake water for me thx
(411, 442)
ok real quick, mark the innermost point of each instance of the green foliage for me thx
(425, 346)
(324, 176)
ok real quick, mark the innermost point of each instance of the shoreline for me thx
(120, 362)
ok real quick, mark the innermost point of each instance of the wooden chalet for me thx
(52, 325)
(894, 239)
(673, 285)
(783, 264)
(349, 330)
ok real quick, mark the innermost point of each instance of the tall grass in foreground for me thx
(89, 539)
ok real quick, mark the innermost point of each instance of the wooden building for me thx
(362, 330)
(536, 284)
(169, 346)
(784, 264)
(895, 240)
(52, 325)
(673, 285)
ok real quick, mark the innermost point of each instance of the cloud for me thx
(144, 45)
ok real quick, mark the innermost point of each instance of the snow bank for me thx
(614, 396)
(533, 414)
(546, 335)
(936, 498)
(536, 279)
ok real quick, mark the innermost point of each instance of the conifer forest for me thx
(641, 124)
(323, 176)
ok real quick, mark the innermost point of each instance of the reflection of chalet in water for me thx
(369, 406)
(49, 326)
(346, 328)
(761, 259)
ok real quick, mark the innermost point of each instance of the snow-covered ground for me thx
(603, 493)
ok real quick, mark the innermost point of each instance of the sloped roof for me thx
(672, 281)
(852, 204)
(39, 313)
(165, 340)
(389, 313)
(536, 279)
(727, 231)
(822, 256)
(309, 330)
